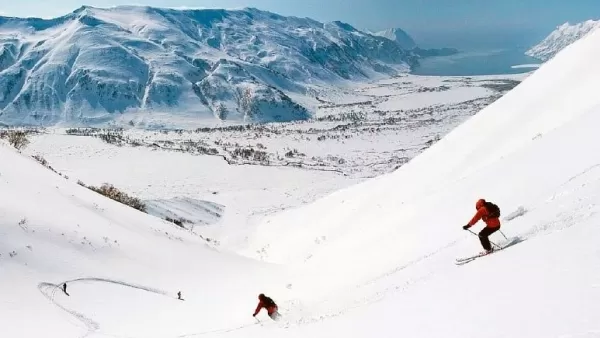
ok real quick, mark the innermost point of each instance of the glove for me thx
(253, 315)
(466, 227)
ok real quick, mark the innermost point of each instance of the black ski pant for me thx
(483, 237)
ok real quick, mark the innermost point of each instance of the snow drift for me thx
(92, 65)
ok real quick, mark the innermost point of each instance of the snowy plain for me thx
(371, 259)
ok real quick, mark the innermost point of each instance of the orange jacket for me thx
(482, 213)
(270, 309)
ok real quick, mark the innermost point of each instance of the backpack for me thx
(268, 302)
(492, 209)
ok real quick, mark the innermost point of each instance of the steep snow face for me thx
(234, 94)
(534, 153)
(458, 169)
(549, 99)
(400, 36)
(94, 64)
(560, 38)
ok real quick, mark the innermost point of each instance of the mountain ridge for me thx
(563, 36)
(91, 65)
(406, 41)
(400, 36)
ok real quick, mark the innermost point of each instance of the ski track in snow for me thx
(90, 324)
(94, 327)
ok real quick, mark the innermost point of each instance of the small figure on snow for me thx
(64, 288)
(179, 295)
(490, 214)
(269, 304)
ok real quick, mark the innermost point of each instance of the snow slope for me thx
(124, 267)
(375, 259)
(205, 190)
(390, 242)
(94, 64)
(560, 38)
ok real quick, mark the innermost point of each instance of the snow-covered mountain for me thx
(400, 36)
(406, 42)
(563, 36)
(93, 64)
(375, 259)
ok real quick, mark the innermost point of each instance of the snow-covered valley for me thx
(351, 220)
(362, 131)
(222, 180)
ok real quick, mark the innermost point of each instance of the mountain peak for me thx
(344, 26)
(82, 8)
(563, 36)
(399, 36)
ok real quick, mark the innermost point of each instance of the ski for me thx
(465, 260)
(469, 257)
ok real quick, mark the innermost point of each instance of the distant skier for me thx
(179, 295)
(269, 304)
(64, 288)
(490, 214)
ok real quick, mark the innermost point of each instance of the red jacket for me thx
(270, 309)
(482, 213)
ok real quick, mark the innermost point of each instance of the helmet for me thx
(261, 296)
(479, 203)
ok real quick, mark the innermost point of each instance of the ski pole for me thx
(503, 235)
(498, 246)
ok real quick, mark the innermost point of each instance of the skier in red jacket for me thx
(269, 304)
(492, 224)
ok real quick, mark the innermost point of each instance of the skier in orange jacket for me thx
(491, 220)
(269, 304)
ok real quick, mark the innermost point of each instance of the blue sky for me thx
(431, 22)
